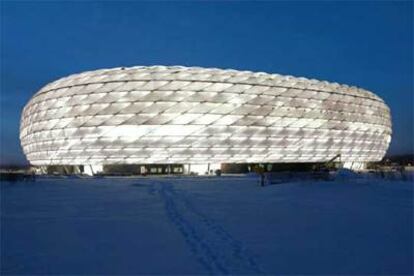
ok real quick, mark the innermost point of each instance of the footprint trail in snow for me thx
(210, 243)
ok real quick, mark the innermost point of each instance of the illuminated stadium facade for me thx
(200, 117)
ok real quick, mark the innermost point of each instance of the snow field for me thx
(200, 225)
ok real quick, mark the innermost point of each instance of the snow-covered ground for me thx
(217, 225)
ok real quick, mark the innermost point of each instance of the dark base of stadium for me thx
(180, 169)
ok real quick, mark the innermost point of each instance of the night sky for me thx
(366, 44)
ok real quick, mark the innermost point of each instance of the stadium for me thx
(174, 119)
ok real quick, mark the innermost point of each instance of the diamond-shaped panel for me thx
(177, 114)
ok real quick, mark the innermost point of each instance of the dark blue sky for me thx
(367, 44)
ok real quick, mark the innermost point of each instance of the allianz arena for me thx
(197, 116)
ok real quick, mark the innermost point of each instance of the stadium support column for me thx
(43, 169)
(187, 168)
(88, 170)
(77, 169)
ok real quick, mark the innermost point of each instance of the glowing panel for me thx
(195, 115)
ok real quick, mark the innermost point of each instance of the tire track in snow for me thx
(210, 243)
